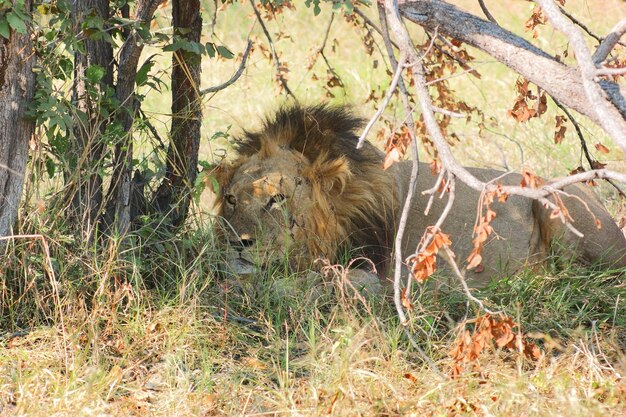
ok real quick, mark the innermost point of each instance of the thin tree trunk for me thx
(17, 86)
(87, 150)
(120, 206)
(174, 194)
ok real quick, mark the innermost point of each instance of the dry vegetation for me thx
(160, 330)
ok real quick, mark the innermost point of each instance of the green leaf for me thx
(4, 27)
(215, 184)
(93, 22)
(174, 46)
(95, 73)
(316, 6)
(224, 52)
(66, 66)
(142, 74)
(210, 49)
(16, 22)
(50, 167)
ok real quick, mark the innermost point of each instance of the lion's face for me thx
(299, 190)
(264, 206)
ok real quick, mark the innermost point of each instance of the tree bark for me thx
(120, 207)
(17, 86)
(174, 193)
(559, 80)
(86, 152)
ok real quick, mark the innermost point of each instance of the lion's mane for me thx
(354, 199)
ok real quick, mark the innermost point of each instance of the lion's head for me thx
(300, 188)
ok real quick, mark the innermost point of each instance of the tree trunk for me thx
(174, 194)
(86, 152)
(17, 86)
(120, 206)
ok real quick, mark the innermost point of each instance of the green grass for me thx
(160, 327)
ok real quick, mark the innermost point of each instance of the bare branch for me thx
(11, 170)
(488, 15)
(610, 120)
(371, 24)
(461, 277)
(282, 80)
(442, 217)
(412, 185)
(609, 42)
(611, 71)
(381, 108)
(448, 112)
(235, 76)
(560, 81)
(579, 23)
(583, 142)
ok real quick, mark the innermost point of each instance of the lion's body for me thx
(300, 188)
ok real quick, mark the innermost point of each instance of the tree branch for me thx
(579, 23)
(383, 12)
(609, 42)
(235, 76)
(485, 10)
(369, 22)
(560, 81)
(282, 80)
(612, 122)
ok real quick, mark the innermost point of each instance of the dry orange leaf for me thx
(391, 158)
(601, 148)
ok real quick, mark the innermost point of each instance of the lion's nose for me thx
(244, 241)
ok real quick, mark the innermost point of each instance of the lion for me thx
(300, 190)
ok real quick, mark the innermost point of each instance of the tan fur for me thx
(301, 189)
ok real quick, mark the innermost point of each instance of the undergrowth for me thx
(165, 329)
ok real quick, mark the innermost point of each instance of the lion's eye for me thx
(230, 199)
(275, 200)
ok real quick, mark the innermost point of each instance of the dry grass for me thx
(159, 330)
(321, 352)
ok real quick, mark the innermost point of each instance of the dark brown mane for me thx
(312, 131)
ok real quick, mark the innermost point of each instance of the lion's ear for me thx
(329, 175)
(223, 173)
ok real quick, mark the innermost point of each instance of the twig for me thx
(235, 76)
(326, 32)
(371, 24)
(432, 192)
(214, 16)
(459, 275)
(11, 170)
(388, 10)
(583, 145)
(442, 217)
(609, 42)
(448, 112)
(579, 23)
(381, 108)
(152, 129)
(583, 142)
(611, 71)
(282, 80)
(488, 15)
(321, 49)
